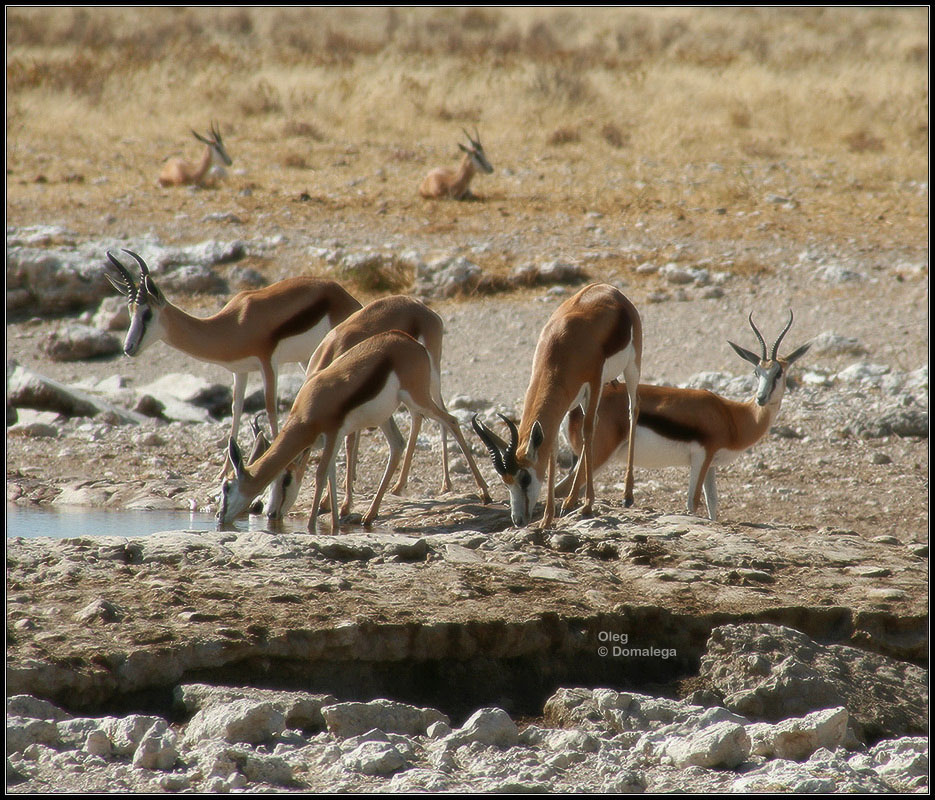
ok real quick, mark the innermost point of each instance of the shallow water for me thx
(74, 522)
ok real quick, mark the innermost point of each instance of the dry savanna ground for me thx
(740, 137)
(657, 116)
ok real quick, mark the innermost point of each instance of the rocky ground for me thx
(823, 526)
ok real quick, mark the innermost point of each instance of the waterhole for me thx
(79, 522)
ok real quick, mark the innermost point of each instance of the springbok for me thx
(396, 312)
(360, 389)
(444, 182)
(689, 427)
(590, 338)
(258, 329)
(180, 172)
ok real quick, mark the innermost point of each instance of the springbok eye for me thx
(287, 480)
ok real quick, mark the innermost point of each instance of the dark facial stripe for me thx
(669, 429)
(369, 389)
(307, 318)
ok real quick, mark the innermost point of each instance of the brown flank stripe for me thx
(669, 429)
(369, 389)
(305, 319)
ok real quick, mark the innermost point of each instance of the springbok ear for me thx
(745, 354)
(536, 438)
(236, 459)
(149, 285)
(795, 355)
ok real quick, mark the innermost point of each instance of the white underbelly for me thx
(726, 456)
(653, 451)
(251, 364)
(617, 363)
(374, 412)
(301, 347)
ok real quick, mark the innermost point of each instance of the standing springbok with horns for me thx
(444, 182)
(690, 427)
(258, 329)
(396, 312)
(360, 389)
(591, 338)
(180, 172)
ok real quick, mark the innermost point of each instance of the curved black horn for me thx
(758, 336)
(471, 140)
(144, 270)
(785, 330)
(489, 443)
(124, 274)
(509, 455)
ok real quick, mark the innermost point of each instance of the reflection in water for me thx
(74, 522)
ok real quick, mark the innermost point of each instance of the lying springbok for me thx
(180, 172)
(444, 182)
(689, 427)
(396, 312)
(258, 329)
(591, 338)
(360, 389)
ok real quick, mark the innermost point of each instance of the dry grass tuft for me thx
(294, 161)
(260, 99)
(863, 142)
(614, 136)
(303, 130)
(565, 135)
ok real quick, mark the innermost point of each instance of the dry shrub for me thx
(740, 118)
(294, 161)
(559, 85)
(483, 20)
(563, 135)
(305, 130)
(760, 149)
(82, 75)
(343, 49)
(238, 22)
(403, 155)
(614, 136)
(261, 98)
(379, 273)
(540, 43)
(468, 114)
(863, 142)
